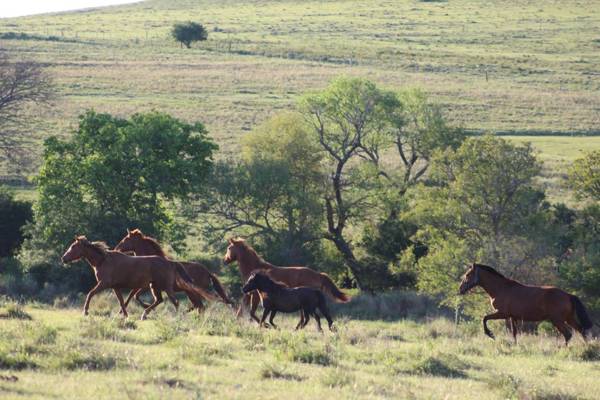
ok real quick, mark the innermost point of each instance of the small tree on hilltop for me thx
(188, 32)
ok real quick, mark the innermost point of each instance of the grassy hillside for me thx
(541, 59)
(50, 352)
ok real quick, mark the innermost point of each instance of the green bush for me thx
(14, 214)
(189, 32)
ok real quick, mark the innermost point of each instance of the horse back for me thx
(296, 276)
(198, 272)
(536, 302)
(126, 271)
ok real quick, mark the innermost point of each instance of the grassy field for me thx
(497, 66)
(557, 153)
(215, 356)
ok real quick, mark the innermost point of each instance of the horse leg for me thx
(513, 327)
(327, 316)
(496, 315)
(99, 286)
(129, 297)
(254, 300)
(572, 322)
(245, 301)
(318, 319)
(271, 319)
(138, 298)
(121, 302)
(264, 317)
(173, 298)
(564, 329)
(306, 319)
(157, 300)
(301, 322)
(196, 301)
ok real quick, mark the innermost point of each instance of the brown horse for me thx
(517, 302)
(141, 245)
(115, 270)
(248, 261)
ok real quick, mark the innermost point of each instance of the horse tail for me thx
(184, 281)
(329, 287)
(219, 288)
(582, 314)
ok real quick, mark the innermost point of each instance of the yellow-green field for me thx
(56, 353)
(557, 154)
(541, 58)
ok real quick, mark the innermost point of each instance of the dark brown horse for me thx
(115, 270)
(248, 261)
(141, 245)
(280, 298)
(517, 302)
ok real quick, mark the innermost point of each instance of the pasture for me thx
(54, 352)
(508, 66)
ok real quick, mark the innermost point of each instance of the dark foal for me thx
(276, 297)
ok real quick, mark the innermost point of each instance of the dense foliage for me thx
(14, 214)
(114, 174)
(189, 32)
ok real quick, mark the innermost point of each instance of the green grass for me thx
(541, 59)
(215, 356)
(557, 154)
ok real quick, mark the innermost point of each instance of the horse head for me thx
(75, 250)
(130, 242)
(233, 250)
(469, 280)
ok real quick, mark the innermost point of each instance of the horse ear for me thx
(128, 231)
(230, 240)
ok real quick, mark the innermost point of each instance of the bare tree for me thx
(22, 83)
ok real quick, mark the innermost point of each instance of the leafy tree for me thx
(581, 269)
(585, 175)
(114, 174)
(358, 126)
(14, 214)
(188, 32)
(483, 207)
(272, 192)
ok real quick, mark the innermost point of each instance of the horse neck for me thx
(493, 284)
(148, 247)
(249, 261)
(94, 256)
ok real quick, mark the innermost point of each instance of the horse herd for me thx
(139, 263)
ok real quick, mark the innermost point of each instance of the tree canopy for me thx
(188, 32)
(117, 173)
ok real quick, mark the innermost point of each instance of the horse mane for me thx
(154, 243)
(489, 269)
(98, 246)
(276, 284)
(249, 249)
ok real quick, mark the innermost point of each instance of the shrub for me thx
(277, 371)
(587, 352)
(14, 214)
(15, 311)
(337, 377)
(189, 32)
(90, 362)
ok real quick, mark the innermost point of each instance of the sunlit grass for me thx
(179, 355)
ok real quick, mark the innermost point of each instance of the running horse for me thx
(249, 261)
(515, 301)
(141, 245)
(116, 270)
